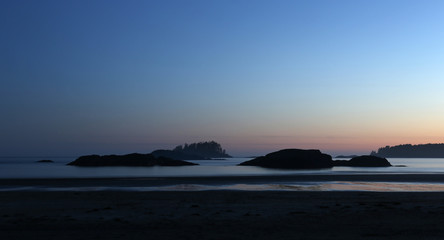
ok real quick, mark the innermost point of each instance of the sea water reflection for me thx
(299, 186)
(28, 168)
(317, 186)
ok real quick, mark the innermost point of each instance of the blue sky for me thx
(81, 77)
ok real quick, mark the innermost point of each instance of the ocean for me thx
(29, 168)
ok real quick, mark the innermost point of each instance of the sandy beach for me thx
(217, 214)
(221, 215)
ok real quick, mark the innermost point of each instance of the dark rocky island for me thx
(431, 150)
(45, 161)
(346, 156)
(177, 155)
(312, 159)
(135, 159)
(292, 159)
(363, 161)
(195, 151)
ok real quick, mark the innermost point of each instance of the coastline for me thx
(221, 215)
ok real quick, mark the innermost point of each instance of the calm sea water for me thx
(24, 168)
(29, 168)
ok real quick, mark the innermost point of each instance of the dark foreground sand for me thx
(221, 215)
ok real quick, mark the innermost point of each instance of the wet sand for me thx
(221, 215)
(226, 180)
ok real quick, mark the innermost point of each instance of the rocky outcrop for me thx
(347, 156)
(178, 155)
(45, 161)
(134, 159)
(363, 161)
(292, 159)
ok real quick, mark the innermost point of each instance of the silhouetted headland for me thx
(134, 159)
(311, 159)
(363, 161)
(430, 150)
(195, 151)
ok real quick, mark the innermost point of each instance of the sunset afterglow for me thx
(345, 77)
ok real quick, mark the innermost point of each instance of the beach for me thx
(220, 180)
(218, 214)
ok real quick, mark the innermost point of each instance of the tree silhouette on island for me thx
(209, 149)
(195, 151)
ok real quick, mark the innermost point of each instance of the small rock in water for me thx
(45, 161)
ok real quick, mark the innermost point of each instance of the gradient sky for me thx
(81, 77)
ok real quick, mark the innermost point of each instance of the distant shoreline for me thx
(429, 150)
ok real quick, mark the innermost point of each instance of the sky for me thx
(111, 77)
